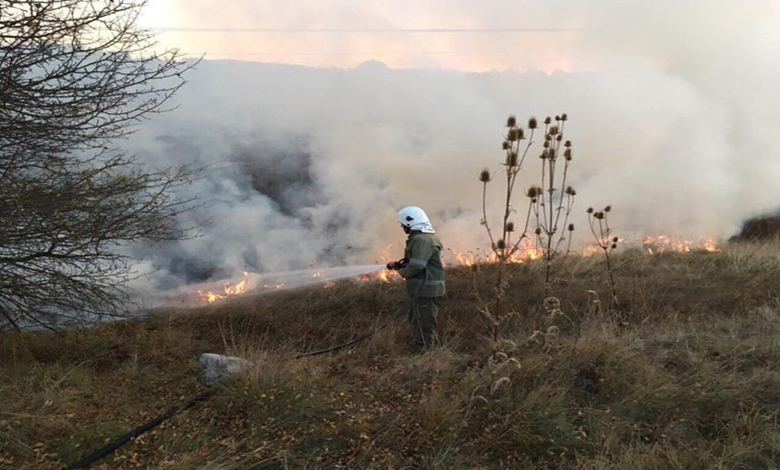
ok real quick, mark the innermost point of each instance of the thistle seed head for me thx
(608, 208)
(500, 384)
(564, 117)
(532, 124)
(538, 230)
(599, 215)
(510, 226)
(570, 191)
(534, 191)
(553, 130)
(484, 175)
(513, 135)
(615, 240)
(567, 143)
(499, 356)
(501, 244)
(513, 363)
(614, 245)
(551, 303)
(506, 345)
(590, 210)
(547, 120)
(505, 145)
(567, 154)
(511, 121)
(571, 227)
(512, 160)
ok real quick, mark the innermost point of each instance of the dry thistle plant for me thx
(549, 203)
(505, 242)
(545, 339)
(599, 227)
(552, 201)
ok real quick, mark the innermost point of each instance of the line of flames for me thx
(526, 251)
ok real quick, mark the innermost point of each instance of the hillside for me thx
(684, 376)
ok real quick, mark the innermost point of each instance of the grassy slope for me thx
(685, 377)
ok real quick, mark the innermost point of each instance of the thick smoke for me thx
(672, 113)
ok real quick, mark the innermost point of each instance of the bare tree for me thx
(75, 76)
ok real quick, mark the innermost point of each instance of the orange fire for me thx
(384, 276)
(527, 251)
(227, 291)
(668, 244)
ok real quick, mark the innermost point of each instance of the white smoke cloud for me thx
(672, 107)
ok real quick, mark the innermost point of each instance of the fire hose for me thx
(121, 440)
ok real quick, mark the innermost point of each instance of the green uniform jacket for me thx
(423, 265)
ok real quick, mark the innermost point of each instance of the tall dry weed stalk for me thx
(549, 205)
(553, 199)
(599, 227)
(505, 242)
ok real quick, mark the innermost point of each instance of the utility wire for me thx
(363, 30)
(377, 53)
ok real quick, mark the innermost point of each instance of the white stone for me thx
(219, 368)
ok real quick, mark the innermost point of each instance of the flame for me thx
(526, 251)
(668, 244)
(591, 250)
(710, 246)
(227, 291)
(230, 289)
(384, 276)
(529, 252)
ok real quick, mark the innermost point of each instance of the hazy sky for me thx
(674, 118)
(465, 35)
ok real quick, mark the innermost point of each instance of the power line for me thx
(347, 53)
(366, 31)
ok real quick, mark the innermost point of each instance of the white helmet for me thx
(414, 218)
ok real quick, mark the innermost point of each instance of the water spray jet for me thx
(259, 284)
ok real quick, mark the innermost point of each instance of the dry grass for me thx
(685, 376)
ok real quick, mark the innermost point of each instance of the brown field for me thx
(684, 376)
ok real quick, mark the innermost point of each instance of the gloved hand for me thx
(394, 265)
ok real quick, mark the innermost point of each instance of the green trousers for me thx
(422, 322)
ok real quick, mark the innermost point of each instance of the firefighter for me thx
(422, 268)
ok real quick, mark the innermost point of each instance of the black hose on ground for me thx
(121, 440)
